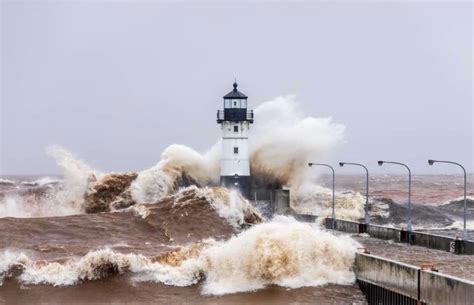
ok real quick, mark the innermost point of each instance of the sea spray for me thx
(177, 162)
(230, 205)
(56, 198)
(317, 200)
(282, 252)
(76, 175)
(282, 141)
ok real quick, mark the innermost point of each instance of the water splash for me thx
(281, 252)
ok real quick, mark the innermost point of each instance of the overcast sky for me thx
(118, 82)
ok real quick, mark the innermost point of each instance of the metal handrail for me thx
(221, 115)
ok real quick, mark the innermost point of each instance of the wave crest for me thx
(281, 252)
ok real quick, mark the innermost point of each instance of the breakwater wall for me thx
(385, 281)
(453, 245)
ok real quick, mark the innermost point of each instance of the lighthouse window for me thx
(236, 128)
(236, 150)
(235, 103)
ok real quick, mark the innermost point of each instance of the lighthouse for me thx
(235, 122)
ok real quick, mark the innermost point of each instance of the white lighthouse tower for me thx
(235, 122)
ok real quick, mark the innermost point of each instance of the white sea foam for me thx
(65, 200)
(140, 210)
(76, 175)
(6, 182)
(159, 181)
(14, 205)
(228, 204)
(41, 181)
(459, 224)
(282, 141)
(282, 252)
(471, 198)
(317, 200)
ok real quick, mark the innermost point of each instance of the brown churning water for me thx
(167, 234)
(200, 237)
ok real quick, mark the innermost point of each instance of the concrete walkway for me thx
(461, 266)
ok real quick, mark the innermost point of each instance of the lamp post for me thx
(464, 232)
(333, 188)
(367, 218)
(409, 226)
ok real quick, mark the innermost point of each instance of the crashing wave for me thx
(281, 252)
(459, 225)
(459, 200)
(283, 140)
(317, 200)
(179, 166)
(229, 204)
(41, 182)
(53, 198)
(111, 192)
(192, 201)
(7, 182)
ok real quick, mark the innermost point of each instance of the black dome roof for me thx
(235, 94)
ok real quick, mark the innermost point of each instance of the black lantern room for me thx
(235, 107)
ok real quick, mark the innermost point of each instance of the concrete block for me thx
(281, 201)
(440, 289)
(389, 274)
(383, 232)
(431, 241)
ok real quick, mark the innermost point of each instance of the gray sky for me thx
(116, 83)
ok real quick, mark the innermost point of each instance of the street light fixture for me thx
(333, 189)
(367, 218)
(409, 226)
(464, 232)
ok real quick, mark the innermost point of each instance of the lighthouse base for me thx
(241, 183)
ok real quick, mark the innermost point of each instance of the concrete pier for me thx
(425, 286)
(436, 288)
(431, 241)
(386, 281)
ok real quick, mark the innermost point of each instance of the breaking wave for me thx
(52, 197)
(317, 200)
(179, 165)
(458, 200)
(459, 225)
(41, 182)
(282, 141)
(6, 182)
(281, 252)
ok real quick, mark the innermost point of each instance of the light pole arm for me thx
(409, 227)
(333, 187)
(326, 165)
(409, 177)
(431, 162)
(366, 218)
(404, 165)
(455, 163)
